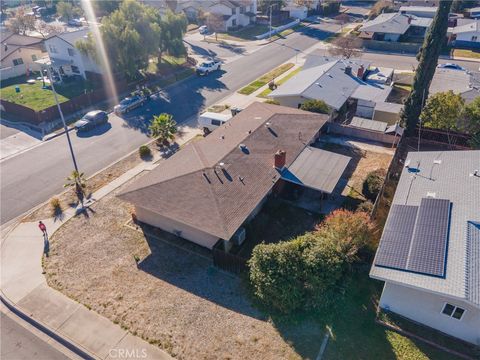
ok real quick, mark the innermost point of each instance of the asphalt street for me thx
(18, 343)
(32, 177)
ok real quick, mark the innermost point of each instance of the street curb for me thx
(50, 333)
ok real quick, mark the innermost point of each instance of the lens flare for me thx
(102, 53)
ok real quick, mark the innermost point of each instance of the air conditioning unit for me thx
(239, 237)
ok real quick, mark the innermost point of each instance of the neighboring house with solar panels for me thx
(429, 253)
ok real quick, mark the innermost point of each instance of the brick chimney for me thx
(280, 158)
(360, 72)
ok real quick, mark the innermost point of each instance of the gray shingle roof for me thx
(191, 187)
(390, 23)
(368, 124)
(446, 175)
(323, 78)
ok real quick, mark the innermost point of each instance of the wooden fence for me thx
(228, 261)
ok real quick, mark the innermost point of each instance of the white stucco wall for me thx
(468, 36)
(172, 226)
(9, 70)
(426, 308)
(290, 101)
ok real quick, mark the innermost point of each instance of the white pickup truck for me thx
(207, 67)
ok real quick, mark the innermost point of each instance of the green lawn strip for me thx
(244, 34)
(258, 83)
(267, 91)
(37, 98)
(466, 53)
(356, 335)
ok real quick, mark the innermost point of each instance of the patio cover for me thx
(317, 169)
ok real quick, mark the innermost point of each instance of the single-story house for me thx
(65, 59)
(465, 83)
(419, 11)
(394, 27)
(466, 35)
(19, 53)
(429, 252)
(209, 189)
(335, 81)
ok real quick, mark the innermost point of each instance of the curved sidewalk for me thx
(24, 287)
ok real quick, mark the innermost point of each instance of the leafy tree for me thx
(349, 231)
(163, 127)
(264, 5)
(215, 23)
(428, 60)
(67, 10)
(317, 106)
(443, 111)
(105, 7)
(373, 184)
(307, 3)
(472, 117)
(171, 30)
(346, 46)
(22, 22)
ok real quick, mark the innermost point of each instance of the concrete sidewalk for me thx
(24, 286)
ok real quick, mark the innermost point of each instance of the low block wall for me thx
(278, 29)
(391, 46)
(363, 134)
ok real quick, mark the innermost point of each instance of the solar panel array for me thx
(415, 238)
(397, 236)
(429, 243)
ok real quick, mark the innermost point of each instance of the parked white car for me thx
(203, 30)
(209, 121)
(207, 67)
(129, 103)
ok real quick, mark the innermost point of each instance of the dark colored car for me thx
(91, 119)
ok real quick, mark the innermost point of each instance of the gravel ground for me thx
(174, 298)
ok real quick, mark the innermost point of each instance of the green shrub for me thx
(365, 206)
(296, 274)
(144, 151)
(373, 184)
(56, 206)
(272, 102)
(317, 106)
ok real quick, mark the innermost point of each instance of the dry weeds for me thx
(174, 298)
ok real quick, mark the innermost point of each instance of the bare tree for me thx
(346, 47)
(45, 29)
(215, 23)
(21, 23)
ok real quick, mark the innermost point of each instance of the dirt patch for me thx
(69, 199)
(175, 298)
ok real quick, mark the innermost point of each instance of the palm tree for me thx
(163, 127)
(77, 181)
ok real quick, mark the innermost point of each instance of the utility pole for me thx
(270, 22)
(63, 120)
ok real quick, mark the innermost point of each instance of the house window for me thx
(474, 38)
(75, 69)
(453, 311)
(216, 122)
(234, 22)
(18, 61)
(71, 52)
(52, 48)
(34, 57)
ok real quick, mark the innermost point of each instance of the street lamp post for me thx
(63, 121)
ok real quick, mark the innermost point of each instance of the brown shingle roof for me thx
(190, 187)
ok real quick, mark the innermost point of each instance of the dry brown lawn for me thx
(174, 298)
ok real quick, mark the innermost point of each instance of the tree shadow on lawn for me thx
(182, 101)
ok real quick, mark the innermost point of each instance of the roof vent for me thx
(222, 137)
(431, 194)
(244, 148)
(437, 161)
(267, 124)
(258, 118)
(222, 165)
(348, 70)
